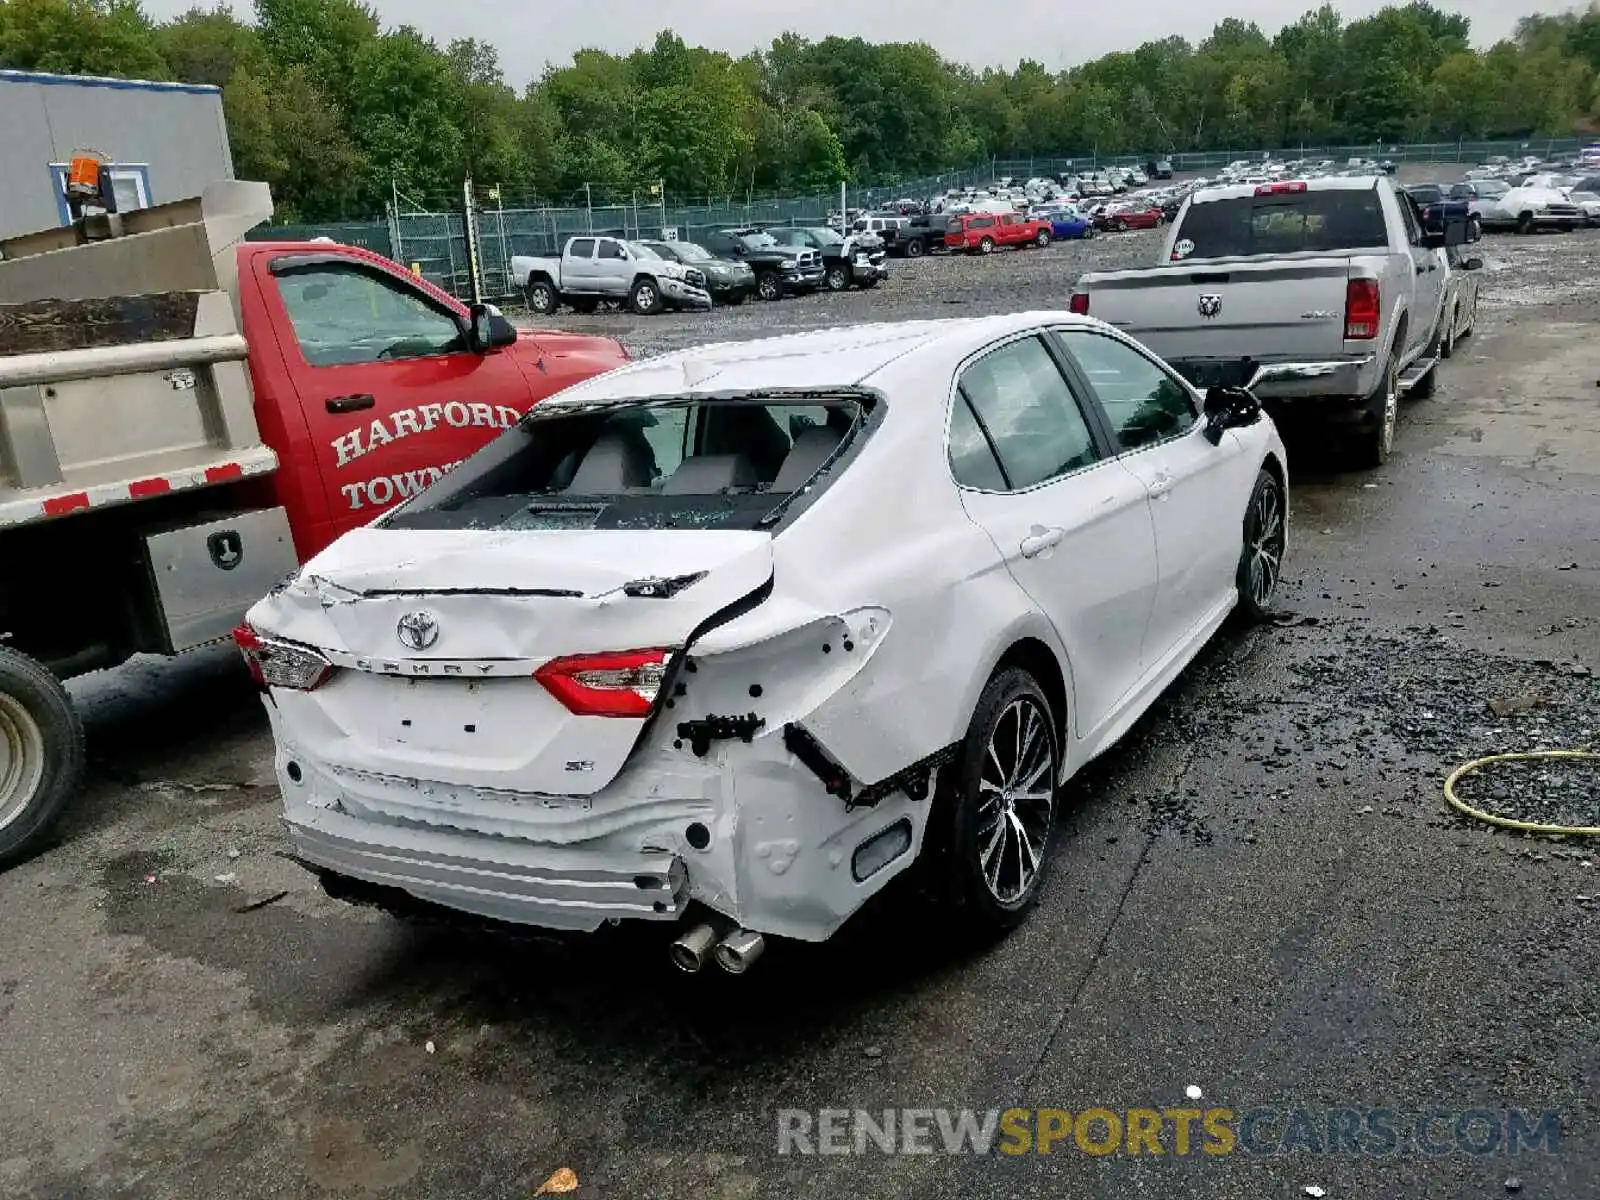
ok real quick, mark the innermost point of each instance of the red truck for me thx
(186, 416)
(980, 233)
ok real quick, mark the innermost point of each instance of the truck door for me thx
(380, 367)
(613, 272)
(579, 272)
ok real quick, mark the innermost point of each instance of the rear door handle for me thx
(1038, 542)
(348, 404)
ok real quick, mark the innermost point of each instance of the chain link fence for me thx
(430, 238)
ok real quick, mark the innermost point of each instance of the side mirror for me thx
(1229, 408)
(489, 329)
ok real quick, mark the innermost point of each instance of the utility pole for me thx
(588, 205)
(661, 190)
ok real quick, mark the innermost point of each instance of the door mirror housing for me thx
(1229, 408)
(489, 330)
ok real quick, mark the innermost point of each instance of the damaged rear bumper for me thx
(747, 832)
(496, 878)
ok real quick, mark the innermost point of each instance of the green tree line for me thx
(332, 109)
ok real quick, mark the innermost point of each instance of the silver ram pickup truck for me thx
(1323, 296)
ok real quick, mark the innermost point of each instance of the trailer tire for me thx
(41, 753)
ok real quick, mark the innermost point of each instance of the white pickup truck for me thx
(592, 269)
(1322, 295)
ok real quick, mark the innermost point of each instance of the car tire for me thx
(837, 279)
(986, 246)
(1525, 223)
(914, 248)
(769, 286)
(1266, 538)
(1088, 231)
(1043, 239)
(990, 895)
(1472, 321)
(1447, 341)
(542, 297)
(1474, 228)
(41, 754)
(1121, 227)
(645, 298)
(1375, 443)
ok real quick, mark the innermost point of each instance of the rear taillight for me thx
(279, 664)
(621, 684)
(1361, 310)
(1079, 303)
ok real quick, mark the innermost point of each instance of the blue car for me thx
(1068, 223)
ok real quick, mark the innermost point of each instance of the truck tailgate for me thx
(1228, 309)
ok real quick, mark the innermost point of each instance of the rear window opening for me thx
(664, 463)
(1317, 222)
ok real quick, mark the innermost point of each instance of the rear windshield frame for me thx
(1223, 238)
(426, 510)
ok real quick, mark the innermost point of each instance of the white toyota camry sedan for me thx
(729, 638)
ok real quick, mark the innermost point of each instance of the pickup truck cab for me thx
(981, 233)
(1324, 295)
(592, 269)
(186, 415)
(779, 270)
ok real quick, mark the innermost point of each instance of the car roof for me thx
(817, 360)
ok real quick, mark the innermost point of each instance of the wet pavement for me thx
(1260, 893)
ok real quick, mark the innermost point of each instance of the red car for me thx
(1140, 216)
(980, 233)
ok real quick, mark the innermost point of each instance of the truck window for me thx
(346, 314)
(1022, 402)
(1144, 404)
(1284, 223)
(981, 223)
(581, 248)
(609, 249)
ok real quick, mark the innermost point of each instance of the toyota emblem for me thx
(1210, 306)
(417, 630)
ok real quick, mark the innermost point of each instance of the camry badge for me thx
(417, 630)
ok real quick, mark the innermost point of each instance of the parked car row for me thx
(650, 275)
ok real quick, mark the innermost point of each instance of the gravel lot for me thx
(1260, 892)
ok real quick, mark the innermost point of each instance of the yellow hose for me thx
(1506, 822)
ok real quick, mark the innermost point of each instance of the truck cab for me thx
(185, 416)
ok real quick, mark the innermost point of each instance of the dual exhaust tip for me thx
(734, 953)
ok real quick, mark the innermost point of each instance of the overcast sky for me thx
(531, 33)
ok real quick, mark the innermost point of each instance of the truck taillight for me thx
(1079, 303)
(278, 664)
(1361, 310)
(1280, 189)
(620, 684)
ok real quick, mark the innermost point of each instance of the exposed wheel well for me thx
(1275, 468)
(1038, 660)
